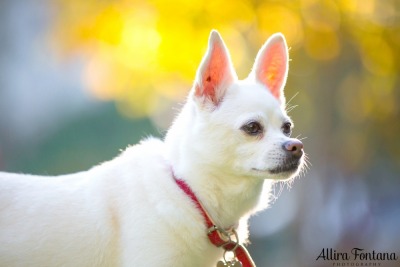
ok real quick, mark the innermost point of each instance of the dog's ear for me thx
(271, 65)
(215, 73)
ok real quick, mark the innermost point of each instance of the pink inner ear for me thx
(213, 75)
(272, 68)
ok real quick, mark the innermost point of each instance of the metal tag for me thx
(236, 264)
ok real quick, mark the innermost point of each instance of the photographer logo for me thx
(356, 257)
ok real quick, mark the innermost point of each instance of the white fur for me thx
(130, 212)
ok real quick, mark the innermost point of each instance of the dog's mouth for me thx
(289, 166)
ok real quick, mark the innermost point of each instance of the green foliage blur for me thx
(83, 142)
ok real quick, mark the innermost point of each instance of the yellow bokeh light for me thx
(275, 18)
(321, 15)
(139, 53)
(377, 55)
(322, 45)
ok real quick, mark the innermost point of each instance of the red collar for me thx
(227, 239)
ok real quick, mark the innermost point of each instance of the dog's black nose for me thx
(294, 146)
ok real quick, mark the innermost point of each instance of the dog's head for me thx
(240, 127)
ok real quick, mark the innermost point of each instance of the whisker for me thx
(288, 102)
(273, 194)
(281, 187)
(302, 138)
(277, 192)
(307, 164)
(289, 109)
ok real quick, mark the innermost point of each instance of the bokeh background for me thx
(80, 80)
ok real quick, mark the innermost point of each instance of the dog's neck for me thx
(226, 198)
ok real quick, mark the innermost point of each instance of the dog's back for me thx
(90, 218)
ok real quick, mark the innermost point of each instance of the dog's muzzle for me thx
(294, 152)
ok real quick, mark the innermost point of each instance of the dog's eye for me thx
(252, 128)
(287, 128)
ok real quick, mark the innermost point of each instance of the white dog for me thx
(154, 204)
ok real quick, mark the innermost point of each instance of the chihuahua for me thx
(150, 205)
